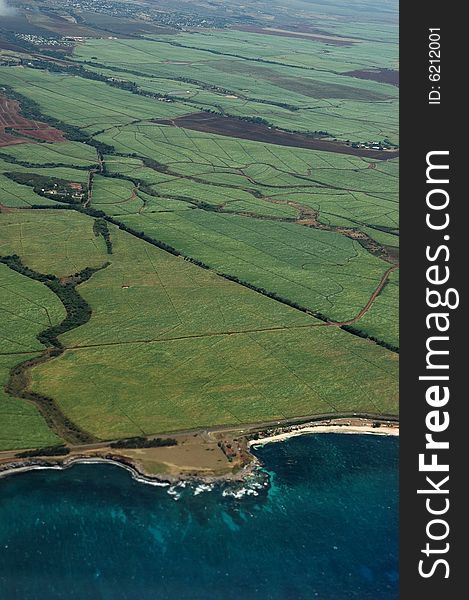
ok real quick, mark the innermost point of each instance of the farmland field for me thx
(198, 228)
(26, 307)
(192, 327)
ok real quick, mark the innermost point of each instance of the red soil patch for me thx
(24, 128)
(228, 126)
(6, 209)
(8, 140)
(382, 75)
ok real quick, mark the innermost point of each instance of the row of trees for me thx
(49, 187)
(100, 228)
(80, 71)
(363, 334)
(78, 310)
(141, 442)
(25, 163)
(201, 84)
(251, 59)
(274, 296)
(221, 90)
(60, 450)
(31, 110)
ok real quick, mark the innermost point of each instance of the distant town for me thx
(174, 19)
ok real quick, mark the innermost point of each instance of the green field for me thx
(168, 338)
(231, 265)
(319, 270)
(26, 307)
(312, 82)
(247, 176)
(73, 154)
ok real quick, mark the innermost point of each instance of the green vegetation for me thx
(244, 281)
(242, 176)
(210, 344)
(78, 311)
(320, 270)
(26, 308)
(72, 154)
(49, 187)
(141, 442)
(13, 194)
(79, 105)
(255, 78)
(48, 451)
(21, 423)
(382, 320)
(101, 228)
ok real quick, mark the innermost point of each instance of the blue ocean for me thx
(319, 520)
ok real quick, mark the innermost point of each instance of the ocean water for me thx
(320, 520)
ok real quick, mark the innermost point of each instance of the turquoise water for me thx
(320, 521)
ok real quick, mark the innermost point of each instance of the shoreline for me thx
(137, 475)
(41, 466)
(309, 428)
(235, 470)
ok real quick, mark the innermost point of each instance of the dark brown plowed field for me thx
(228, 126)
(23, 129)
(304, 34)
(382, 76)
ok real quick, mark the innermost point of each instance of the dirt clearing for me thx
(16, 129)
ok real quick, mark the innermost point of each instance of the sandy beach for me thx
(333, 428)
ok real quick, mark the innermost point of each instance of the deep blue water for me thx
(321, 521)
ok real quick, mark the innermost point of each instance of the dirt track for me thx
(373, 297)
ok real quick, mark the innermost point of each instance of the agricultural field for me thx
(202, 340)
(21, 424)
(382, 320)
(198, 228)
(319, 270)
(245, 176)
(309, 91)
(71, 154)
(14, 194)
(16, 129)
(89, 105)
(224, 379)
(26, 307)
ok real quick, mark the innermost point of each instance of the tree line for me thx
(46, 186)
(363, 334)
(60, 450)
(31, 110)
(142, 442)
(77, 309)
(100, 228)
